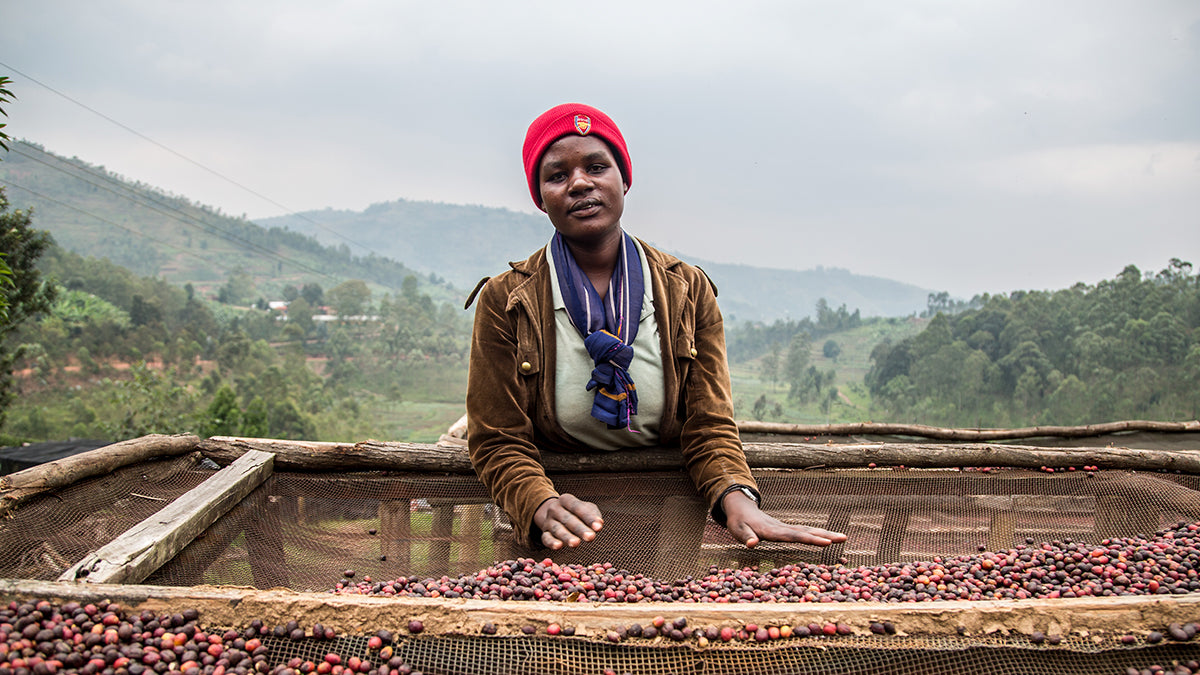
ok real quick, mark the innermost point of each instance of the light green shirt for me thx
(573, 368)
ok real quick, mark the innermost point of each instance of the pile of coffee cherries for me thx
(43, 638)
(1166, 563)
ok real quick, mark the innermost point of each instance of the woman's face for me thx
(582, 189)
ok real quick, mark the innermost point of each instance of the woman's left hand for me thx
(750, 525)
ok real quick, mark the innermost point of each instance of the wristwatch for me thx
(746, 491)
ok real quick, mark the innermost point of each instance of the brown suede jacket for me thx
(510, 389)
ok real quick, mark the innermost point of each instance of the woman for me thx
(600, 342)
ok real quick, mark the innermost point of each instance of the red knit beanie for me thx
(564, 120)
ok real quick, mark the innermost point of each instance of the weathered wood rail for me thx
(304, 456)
(452, 458)
(946, 434)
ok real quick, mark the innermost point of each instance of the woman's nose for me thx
(580, 180)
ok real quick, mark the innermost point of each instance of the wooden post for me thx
(470, 533)
(440, 536)
(134, 555)
(395, 530)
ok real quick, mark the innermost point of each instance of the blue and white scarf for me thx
(608, 326)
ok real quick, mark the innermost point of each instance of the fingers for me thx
(744, 533)
(762, 527)
(567, 521)
(586, 512)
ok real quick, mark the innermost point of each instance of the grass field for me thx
(851, 366)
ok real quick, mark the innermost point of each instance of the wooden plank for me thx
(363, 615)
(134, 555)
(22, 485)
(419, 457)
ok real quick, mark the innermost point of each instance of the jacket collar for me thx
(537, 261)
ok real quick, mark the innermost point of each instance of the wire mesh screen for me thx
(308, 532)
(53, 531)
(466, 655)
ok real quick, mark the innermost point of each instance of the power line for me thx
(187, 159)
(109, 222)
(182, 217)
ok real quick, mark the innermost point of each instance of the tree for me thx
(148, 403)
(23, 294)
(831, 350)
(770, 364)
(349, 298)
(6, 282)
(237, 289)
(254, 419)
(795, 364)
(223, 416)
(760, 408)
(313, 294)
(300, 314)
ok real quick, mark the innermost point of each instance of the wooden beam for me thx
(134, 555)
(940, 433)
(378, 455)
(227, 607)
(22, 485)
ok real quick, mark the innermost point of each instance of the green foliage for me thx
(238, 288)
(156, 234)
(6, 96)
(350, 298)
(796, 363)
(79, 309)
(6, 283)
(831, 350)
(751, 340)
(24, 295)
(1123, 349)
(223, 417)
(210, 368)
(148, 403)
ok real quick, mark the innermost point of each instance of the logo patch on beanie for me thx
(583, 124)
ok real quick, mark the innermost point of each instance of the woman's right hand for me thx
(567, 520)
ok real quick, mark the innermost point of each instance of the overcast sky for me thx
(961, 146)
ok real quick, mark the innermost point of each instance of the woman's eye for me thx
(597, 168)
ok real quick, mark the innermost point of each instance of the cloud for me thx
(896, 139)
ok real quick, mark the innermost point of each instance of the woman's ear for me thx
(626, 186)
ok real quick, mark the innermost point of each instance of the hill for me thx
(449, 247)
(97, 213)
(463, 244)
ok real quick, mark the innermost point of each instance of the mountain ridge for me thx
(464, 243)
(448, 247)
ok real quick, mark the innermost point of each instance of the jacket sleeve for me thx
(500, 430)
(709, 440)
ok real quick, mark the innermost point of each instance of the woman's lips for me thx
(585, 208)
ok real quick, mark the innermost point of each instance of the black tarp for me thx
(17, 458)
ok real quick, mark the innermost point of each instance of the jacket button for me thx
(694, 352)
(526, 367)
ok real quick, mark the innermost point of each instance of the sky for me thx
(965, 146)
